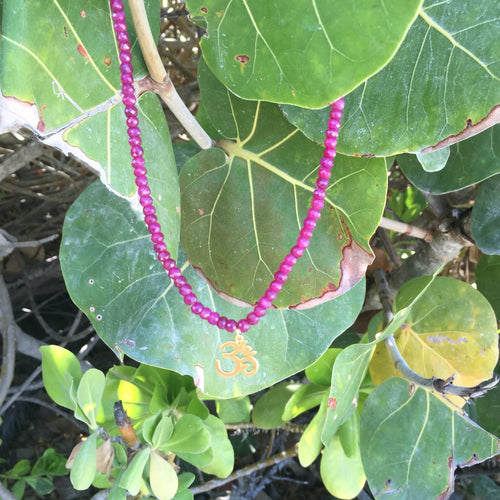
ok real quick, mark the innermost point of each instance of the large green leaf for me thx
(451, 330)
(309, 52)
(488, 278)
(112, 275)
(411, 442)
(444, 80)
(470, 161)
(60, 77)
(243, 206)
(485, 219)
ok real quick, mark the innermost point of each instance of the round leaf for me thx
(411, 442)
(451, 330)
(485, 219)
(162, 477)
(84, 467)
(252, 51)
(112, 275)
(443, 81)
(189, 436)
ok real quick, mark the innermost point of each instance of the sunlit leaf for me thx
(411, 442)
(268, 410)
(136, 309)
(451, 330)
(234, 410)
(84, 466)
(223, 458)
(242, 208)
(162, 477)
(435, 160)
(248, 50)
(443, 81)
(131, 478)
(89, 396)
(485, 219)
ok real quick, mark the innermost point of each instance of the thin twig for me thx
(287, 426)
(404, 228)
(247, 471)
(27, 384)
(432, 384)
(159, 81)
(9, 341)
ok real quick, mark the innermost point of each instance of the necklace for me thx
(243, 356)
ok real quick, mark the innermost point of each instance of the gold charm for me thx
(242, 356)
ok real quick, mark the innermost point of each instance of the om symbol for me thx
(242, 355)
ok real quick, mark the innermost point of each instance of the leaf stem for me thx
(160, 81)
(402, 227)
(431, 384)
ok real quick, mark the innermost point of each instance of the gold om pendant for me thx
(242, 355)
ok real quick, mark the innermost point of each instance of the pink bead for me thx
(317, 204)
(331, 142)
(333, 124)
(230, 325)
(322, 183)
(264, 302)
(339, 104)
(205, 313)
(252, 318)
(133, 121)
(125, 57)
(141, 181)
(289, 259)
(122, 37)
(180, 281)
(120, 27)
(309, 224)
(157, 237)
(313, 214)
(145, 200)
(269, 294)
(302, 242)
(326, 162)
(162, 256)
(133, 131)
(190, 299)
(148, 210)
(213, 318)
(118, 17)
(324, 173)
(285, 268)
(139, 163)
(143, 191)
(222, 322)
(168, 264)
(126, 67)
(129, 101)
(128, 90)
(319, 194)
(135, 142)
(116, 6)
(130, 111)
(197, 307)
(275, 286)
(159, 247)
(243, 325)
(259, 311)
(280, 277)
(185, 290)
(124, 47)
(136, 151)
(297, 251)
(306, 233)
(127, 78)
(332, 133)
(174, 273)
(329, 153)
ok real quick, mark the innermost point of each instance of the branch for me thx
(287, 426)
(159, 82)
(433, 384)
(247, 471)
(403, 227)
(7, 324)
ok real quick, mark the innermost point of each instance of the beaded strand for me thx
(265, 302)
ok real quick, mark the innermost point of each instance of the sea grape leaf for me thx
(251, 47)
(443, 81)
(488, 409)
(435, 160)
(111, 274)
(485, 219)
(243, 205)
(411, 442)
(487, 279)
(471, 161)
(451, 330)
(60, 78)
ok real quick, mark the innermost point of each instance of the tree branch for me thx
(159, 82)
(7, 325)
(403, 227)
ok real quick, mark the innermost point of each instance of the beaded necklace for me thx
(243, 355)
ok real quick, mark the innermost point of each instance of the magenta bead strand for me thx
(306, 232)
